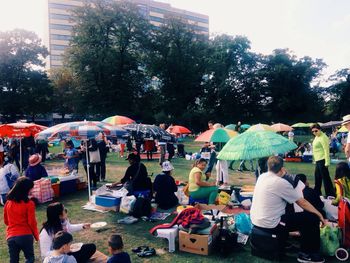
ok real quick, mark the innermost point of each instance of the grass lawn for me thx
(137, 234)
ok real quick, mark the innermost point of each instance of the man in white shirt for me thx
(346, 123)
(271, 195)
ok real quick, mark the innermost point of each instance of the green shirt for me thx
(320, 148)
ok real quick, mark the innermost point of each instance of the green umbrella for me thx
(301, 125)
(231, 127)
(255, 144)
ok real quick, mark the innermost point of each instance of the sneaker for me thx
(314, 258)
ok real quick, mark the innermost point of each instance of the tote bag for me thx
(94, 156)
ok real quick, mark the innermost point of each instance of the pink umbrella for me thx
(280, 127)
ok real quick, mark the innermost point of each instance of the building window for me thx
(156, 19)
(200, 28)
(60, 37)
(60, 6)
(58, 47)
(55, 57)
(59, 16)
(61, 27)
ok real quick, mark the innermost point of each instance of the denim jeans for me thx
(24, 243)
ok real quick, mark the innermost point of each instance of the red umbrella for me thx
(20, 130)
(177, 129)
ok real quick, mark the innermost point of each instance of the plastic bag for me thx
(127, 204)
(243, 223)
(331, 210)
(330, 240)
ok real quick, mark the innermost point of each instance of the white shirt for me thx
(45, 240)
(8, 168)
(348, 139)
(271, 195)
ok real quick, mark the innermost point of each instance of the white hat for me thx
(167, 166)
(346, 119)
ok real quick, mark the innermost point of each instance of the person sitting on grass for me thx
(57, 220)
(35, 170)
(342, 182)
(199, 188)
(115, 248)
(165, 187)
(61, 247)
(311, 195)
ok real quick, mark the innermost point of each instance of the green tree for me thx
(106, 57)
(232, 85)
(64, 96)
(288, 92)
(21, 52)
(178, 61)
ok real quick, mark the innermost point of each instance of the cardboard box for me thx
(197, 244)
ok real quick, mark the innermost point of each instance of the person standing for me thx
(101, 166)
(212, 159)
(2, 153)
(148, 146)
(162, 147)
(346, 123)
(19, 217)
(320, 150)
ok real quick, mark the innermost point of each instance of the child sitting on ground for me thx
(115, 248)
(61, 246)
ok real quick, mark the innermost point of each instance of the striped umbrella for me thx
(216, 135)
(118, 120)
(81, 130)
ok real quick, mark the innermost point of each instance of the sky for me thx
(315, 28)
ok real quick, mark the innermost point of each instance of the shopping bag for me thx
(243, 223)
(94, 156)
(331, 210)
(330, 240)
(42, 190)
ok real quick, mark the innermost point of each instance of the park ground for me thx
(137, 234)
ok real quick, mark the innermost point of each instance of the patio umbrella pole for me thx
(20, 155)
(88, 168)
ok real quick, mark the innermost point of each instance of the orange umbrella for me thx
(280, 127)
(177, 129)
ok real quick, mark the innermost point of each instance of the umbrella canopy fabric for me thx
(280, 127)
(118, 120)
(245, 126)
(216, 135)
(301, 125)
(231, 127)
(343, 129)
(261, 127)
(177, 129)
(255, 144)
(331, 124)
(20, 129)
(81, 130)
(148, 131)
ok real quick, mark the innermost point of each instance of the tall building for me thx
(59, 22)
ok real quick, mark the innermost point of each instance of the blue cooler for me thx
(107, 201)
(245, 195)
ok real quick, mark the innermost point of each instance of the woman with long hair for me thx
(57, 220)
(199, 186)
(19, 217)
(342, 182)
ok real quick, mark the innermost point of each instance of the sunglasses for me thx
(314, 131)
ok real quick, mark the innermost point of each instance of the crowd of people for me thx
(279, 205)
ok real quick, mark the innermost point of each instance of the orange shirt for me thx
(20, 219)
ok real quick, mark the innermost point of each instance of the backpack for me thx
(142, 207)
